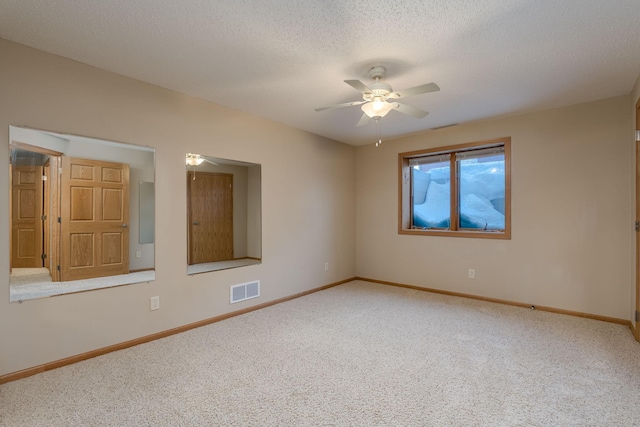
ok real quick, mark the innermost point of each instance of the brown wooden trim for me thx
(34, 148)
(142, 269)
(507, 188)
(245, 257)
(56, 211)
(505, 302)
(457, 147)
(454, 196)
(634, 330)
(22, 374)
(404, 194)
(104, 350)
(453, 233)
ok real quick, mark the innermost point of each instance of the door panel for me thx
(26, 221)
(94, 217)
(112, 204)
(81, 249)
(112, 248)
(26, 238)
(82, 203)
(210, 217)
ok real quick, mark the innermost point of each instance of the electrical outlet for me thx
(138, 254)
(326, 266)
(154, 303)
(472, 273)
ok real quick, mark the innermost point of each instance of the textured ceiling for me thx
(280, 59)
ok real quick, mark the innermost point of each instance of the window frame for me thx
(405, 191)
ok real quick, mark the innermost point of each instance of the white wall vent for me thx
(245, 291)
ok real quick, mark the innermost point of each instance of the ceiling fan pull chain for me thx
(379, 137)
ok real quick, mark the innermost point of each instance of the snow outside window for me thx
(458, 189)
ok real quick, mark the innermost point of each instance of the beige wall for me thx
(635, 96)
(572, 233)
(308, 209)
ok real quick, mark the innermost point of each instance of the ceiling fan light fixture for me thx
(378, 103)
(194, 159)
(377, 108)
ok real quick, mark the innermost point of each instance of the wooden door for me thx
(210, 216)
(94, 198)
(46, 214)
(26, 217)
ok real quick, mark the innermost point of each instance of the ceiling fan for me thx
(376, 96)
(194, 160)
(197, 159)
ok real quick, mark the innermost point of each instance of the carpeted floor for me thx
(360, 354)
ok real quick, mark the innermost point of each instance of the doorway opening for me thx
(74, 214)
(223, 213)
(69, 217)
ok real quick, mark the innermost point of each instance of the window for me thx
(462, 190)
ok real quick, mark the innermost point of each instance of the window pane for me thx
(482, 193)
(431, 185)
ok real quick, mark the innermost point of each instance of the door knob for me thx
(196, 223)
(124, 226)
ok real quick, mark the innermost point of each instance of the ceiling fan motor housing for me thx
(377, 72)
(378, 90)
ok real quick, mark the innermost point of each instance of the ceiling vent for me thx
(445, 126)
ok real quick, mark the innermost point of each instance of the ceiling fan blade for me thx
(358, 85)
(346, 104)
(364, 120)
(417, 90)
(410, 110)
(209, 161)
